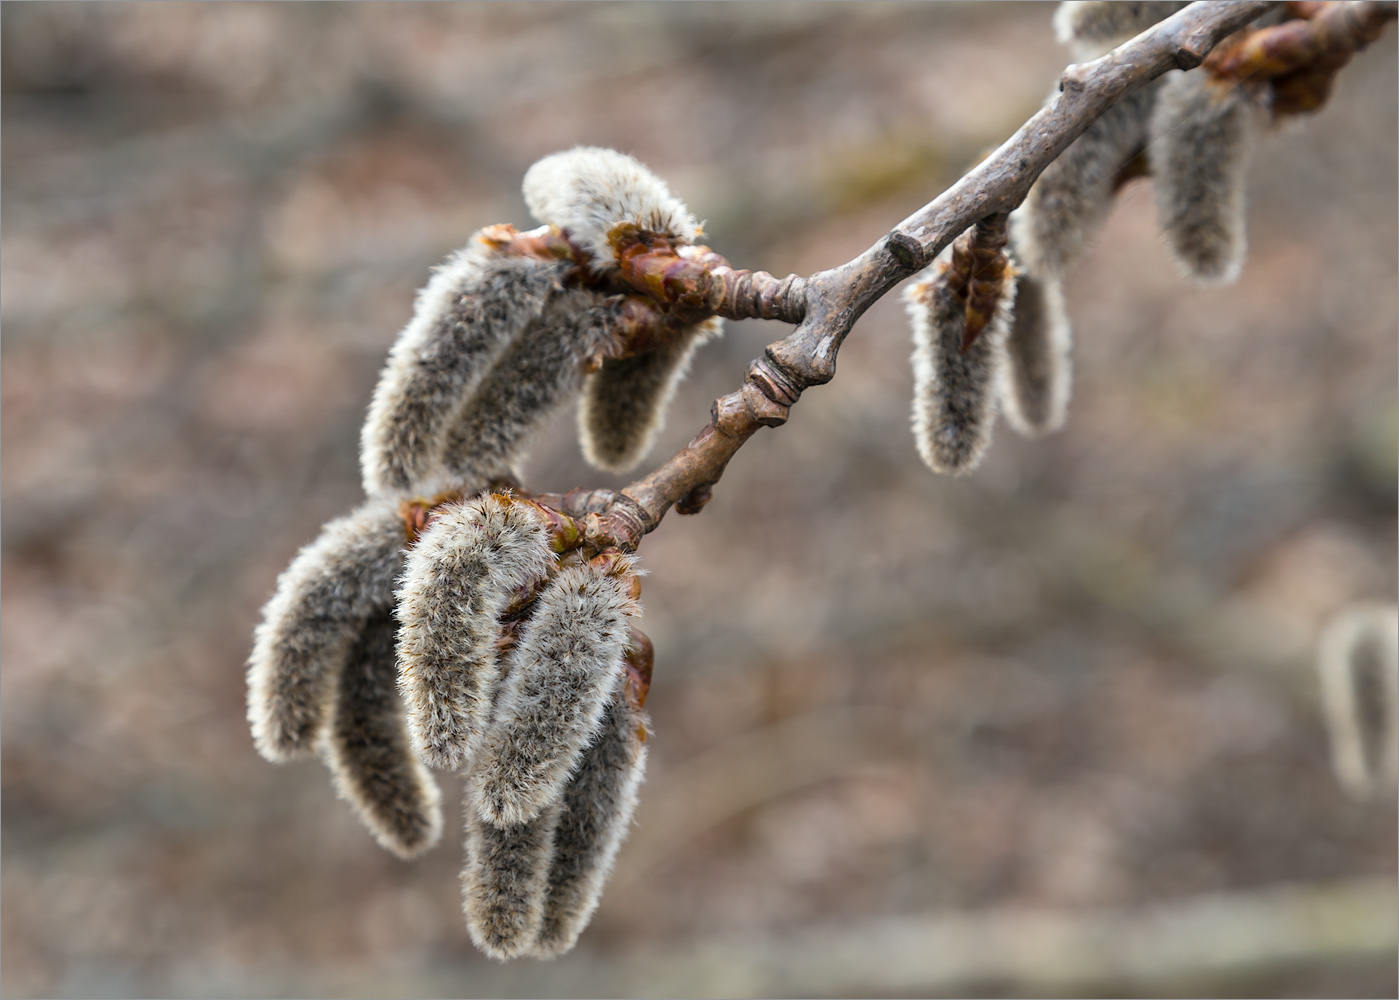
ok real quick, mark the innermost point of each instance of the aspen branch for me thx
(829, 303)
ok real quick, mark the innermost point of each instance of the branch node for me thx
(773, 382)
(906, 250)
(694, 501)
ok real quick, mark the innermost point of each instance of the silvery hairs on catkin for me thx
(475, 304)
(466, 567)
(562, 673)
(587, 192)
(1201, 134)
(596, 814)
(366, 747)
(955, 392)
(505, 881)
(320, 607)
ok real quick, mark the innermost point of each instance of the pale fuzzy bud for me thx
(955, 392)
(563, 672)
(505, 881)
(596, 815)
(471, 308)
(322, 601)
(624, 403)
(1202, 133)
(1072, 197)
(367, 751)
(1359, 666)
(459, 577)
(1092, 27)
(539, 371)
(1039, 364)
(587, 191)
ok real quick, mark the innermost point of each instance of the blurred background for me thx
(1051, 729)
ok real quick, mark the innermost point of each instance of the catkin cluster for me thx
(450, 622)
(1192, 132)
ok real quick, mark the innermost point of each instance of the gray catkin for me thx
(505, 881)
(587, 191)
(561, 676)
(472, 307)
(955, 393)
(464, 570)
(539, 371)
(1039, 366)
(1092, 27)
(1201, 135)
(1358, 663)
(367, 751)
(594, 818)
(1072, 197)
(332, 587)
(623, 404)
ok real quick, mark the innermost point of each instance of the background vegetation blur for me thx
(1050, 728)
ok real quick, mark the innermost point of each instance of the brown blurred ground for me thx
(1076, 683)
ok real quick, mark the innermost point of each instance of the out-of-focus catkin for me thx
(472, 308)
(367, 750)
(562, 673)
(464, 570)
(1201, 134)
(595, 815)
(322, 601)
(955, 391)
(1358, 663)
(1039, 364)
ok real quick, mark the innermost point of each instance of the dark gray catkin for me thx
(594, 818)
(1358, 663)
(466, 567)
(955, 392)
(1201, 135)
(1039, 371)
(562, 673)
(322, 601)
(367, 750)
(476, 304)
(505, 881)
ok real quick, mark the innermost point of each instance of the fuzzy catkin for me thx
(563, 672)
(1358, 663)
(1092, 27)
(459, 577)
(587, 191)
(955, 392)
(473, 306)
(539, 371)
(332, 587)
(505, 881)
(1039, 369)
(623, 404)
(367, 751)
(1201, 135)
(594, 818)
(1072, 197)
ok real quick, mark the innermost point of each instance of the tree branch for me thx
(836, 298)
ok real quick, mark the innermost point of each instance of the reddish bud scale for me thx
(417, 513)
(640, 659)
(549, 244)
(978, 272)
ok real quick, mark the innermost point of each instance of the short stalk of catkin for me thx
(597, 808)
(465, 568)
(471, 309)
(1039, 364)
(1201, 134)
(562, 673)
(623, 403)
(332, 587)
(367, 750)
